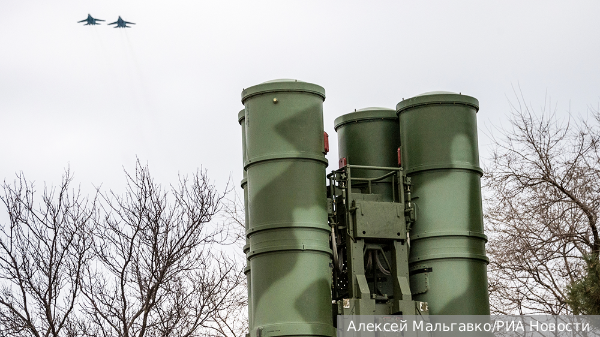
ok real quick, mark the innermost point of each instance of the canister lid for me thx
(283, 85)
(364, 114)
(437, 97)
(241, 115)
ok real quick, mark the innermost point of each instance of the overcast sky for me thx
(168, 89)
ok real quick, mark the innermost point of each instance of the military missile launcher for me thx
(395, 230)
(289, 250)
(438, 132)
(368, 218)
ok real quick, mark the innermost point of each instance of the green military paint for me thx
(439, 152)
(370, 137)
(289, 252)
(369, 217)
(244, 185)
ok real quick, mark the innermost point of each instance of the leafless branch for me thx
(541, 210)
(159, 270)
(43, 251)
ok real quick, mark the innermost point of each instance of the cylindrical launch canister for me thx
(370, 137)
(440, 154)
(288, 231)
(244, 185)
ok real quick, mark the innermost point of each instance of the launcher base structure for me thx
(370, 242)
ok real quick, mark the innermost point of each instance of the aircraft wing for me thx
(84, 20)
(114, 23)
(100, 20)
(131, 23)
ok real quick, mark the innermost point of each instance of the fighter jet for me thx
(120, 23)
(90, 21)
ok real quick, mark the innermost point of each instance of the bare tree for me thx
(233, 321)
(149, 263)
(233, 216)
(44, 250)
(209, 303)
(159, 271)
(542, 210)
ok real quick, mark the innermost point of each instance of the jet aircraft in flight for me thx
(120, 23)
(90, 21)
